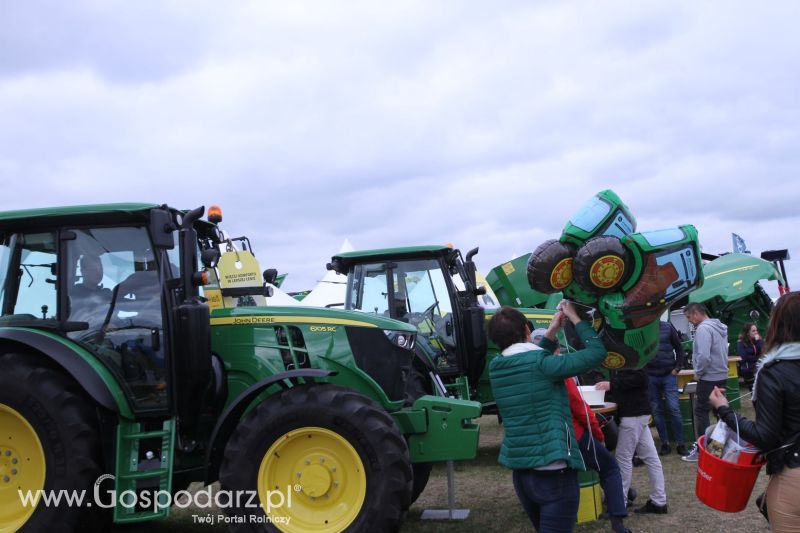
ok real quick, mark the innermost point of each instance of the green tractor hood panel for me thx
(310, 315)
(733, 277)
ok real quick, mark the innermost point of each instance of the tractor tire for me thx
(48, 441)
(422, 473)
(601, 265)
(417, 385)
(550, 266)
(322, 456)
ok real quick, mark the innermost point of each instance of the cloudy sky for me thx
(398, 123)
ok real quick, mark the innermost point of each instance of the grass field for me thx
(484, 487)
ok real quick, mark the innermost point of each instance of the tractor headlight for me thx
(403, 339)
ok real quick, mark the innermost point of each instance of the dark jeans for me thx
(701, 404)
(597, 457)
(549, 497)
(746, 372)
(668, 387)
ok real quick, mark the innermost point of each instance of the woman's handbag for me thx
(761, 503)
(610, 430)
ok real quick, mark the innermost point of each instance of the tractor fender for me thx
(233, 413)
(73, 359)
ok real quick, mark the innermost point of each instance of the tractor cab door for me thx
(418, 292)
(112, 283)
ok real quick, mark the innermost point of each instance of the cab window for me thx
(369, 291)
(113, 287)
(28, 275)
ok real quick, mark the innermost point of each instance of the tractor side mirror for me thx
(270, 276)
(210, 257)
(162, 228)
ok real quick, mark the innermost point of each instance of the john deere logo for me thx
(561, 276)
(613, 361)
(607, 271)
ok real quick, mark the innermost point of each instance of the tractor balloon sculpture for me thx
(629, 278)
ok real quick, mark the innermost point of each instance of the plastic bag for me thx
(725, 443)
(717, 439)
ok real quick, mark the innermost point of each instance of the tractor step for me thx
(135, 473)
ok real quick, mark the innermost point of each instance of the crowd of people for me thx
(551, 433)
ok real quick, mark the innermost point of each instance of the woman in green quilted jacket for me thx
(539, 443)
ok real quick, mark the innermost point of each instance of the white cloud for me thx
(408, 123)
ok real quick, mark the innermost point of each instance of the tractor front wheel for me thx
(318, 458)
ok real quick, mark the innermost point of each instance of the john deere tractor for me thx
(435, 289)
(119, 385)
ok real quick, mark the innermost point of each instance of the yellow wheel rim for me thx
(311, 479)
(607, 271)
(613, 361)
(561, 276)
(22, 468)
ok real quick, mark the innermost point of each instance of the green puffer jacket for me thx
(532, 399)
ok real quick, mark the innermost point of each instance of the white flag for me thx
(739, 247)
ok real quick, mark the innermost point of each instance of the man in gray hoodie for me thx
(710, 361)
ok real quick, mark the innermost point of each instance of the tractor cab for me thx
(120, 282)
(430, 287)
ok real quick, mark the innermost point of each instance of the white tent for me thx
(331, 289)
(280, 298)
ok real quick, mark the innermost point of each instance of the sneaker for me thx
(665, 449)
(692, 456)
(650, 507)
(680, 449)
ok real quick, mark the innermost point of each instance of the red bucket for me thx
(723, 485)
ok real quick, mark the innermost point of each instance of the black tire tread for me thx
(382, 511)
(75, 421)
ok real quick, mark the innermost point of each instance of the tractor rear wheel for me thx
(48, 442)
(320, 458)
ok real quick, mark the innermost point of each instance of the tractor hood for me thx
(732, 277)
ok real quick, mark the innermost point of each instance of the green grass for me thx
(484, 487)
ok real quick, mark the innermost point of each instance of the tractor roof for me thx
(342, 262)
(77, 214)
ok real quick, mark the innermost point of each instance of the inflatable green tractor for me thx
(629, 278)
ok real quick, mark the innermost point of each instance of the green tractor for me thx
(120, 386)
(437, 290)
